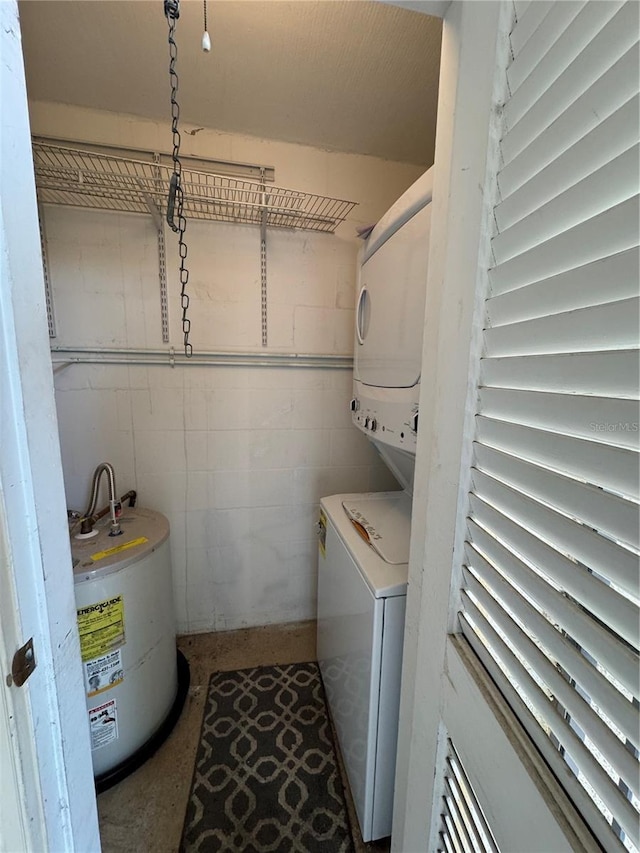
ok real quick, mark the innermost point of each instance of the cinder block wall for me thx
(236, 457)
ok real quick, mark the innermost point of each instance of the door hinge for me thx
(23, 664)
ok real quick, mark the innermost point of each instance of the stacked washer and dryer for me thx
(364, 538)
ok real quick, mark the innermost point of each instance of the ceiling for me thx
(345, 75)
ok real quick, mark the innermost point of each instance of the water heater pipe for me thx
(115, 505)
(87, 522)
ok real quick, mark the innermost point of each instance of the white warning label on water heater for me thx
(103, 672)
(103, 724)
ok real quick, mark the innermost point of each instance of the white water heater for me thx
(126, 623)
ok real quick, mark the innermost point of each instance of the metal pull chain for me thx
(206, 38)
(175, 202)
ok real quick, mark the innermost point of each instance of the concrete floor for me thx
(145, 812)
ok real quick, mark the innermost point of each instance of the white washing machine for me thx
(364, 539)
(362, 583)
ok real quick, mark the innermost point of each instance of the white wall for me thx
(237, 458)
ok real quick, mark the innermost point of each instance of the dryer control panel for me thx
(390, 421)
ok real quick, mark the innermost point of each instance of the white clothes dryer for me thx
(389, 321)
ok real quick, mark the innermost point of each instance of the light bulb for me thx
(206, 42)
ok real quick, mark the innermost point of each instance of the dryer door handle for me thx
(360, 309)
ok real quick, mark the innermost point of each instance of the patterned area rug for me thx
(266, 776)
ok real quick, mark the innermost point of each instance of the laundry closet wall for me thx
(236, 457)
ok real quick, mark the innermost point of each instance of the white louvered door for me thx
(550, 572)
(521, 667)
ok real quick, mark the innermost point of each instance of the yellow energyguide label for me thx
(101, 627)
(100, 555)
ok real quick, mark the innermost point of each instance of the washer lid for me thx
(385, 525)
(391, 513)
(143, 530)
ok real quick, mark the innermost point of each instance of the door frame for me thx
(49, 733)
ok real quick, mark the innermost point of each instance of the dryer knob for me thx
(354, 405)
(366, 423)
(414, 422)
(373, 426)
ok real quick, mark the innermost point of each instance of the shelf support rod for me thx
(162, 276)
(263, 261)
(162, 250)
(48, 292)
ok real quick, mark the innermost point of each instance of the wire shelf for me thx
(81, 178)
